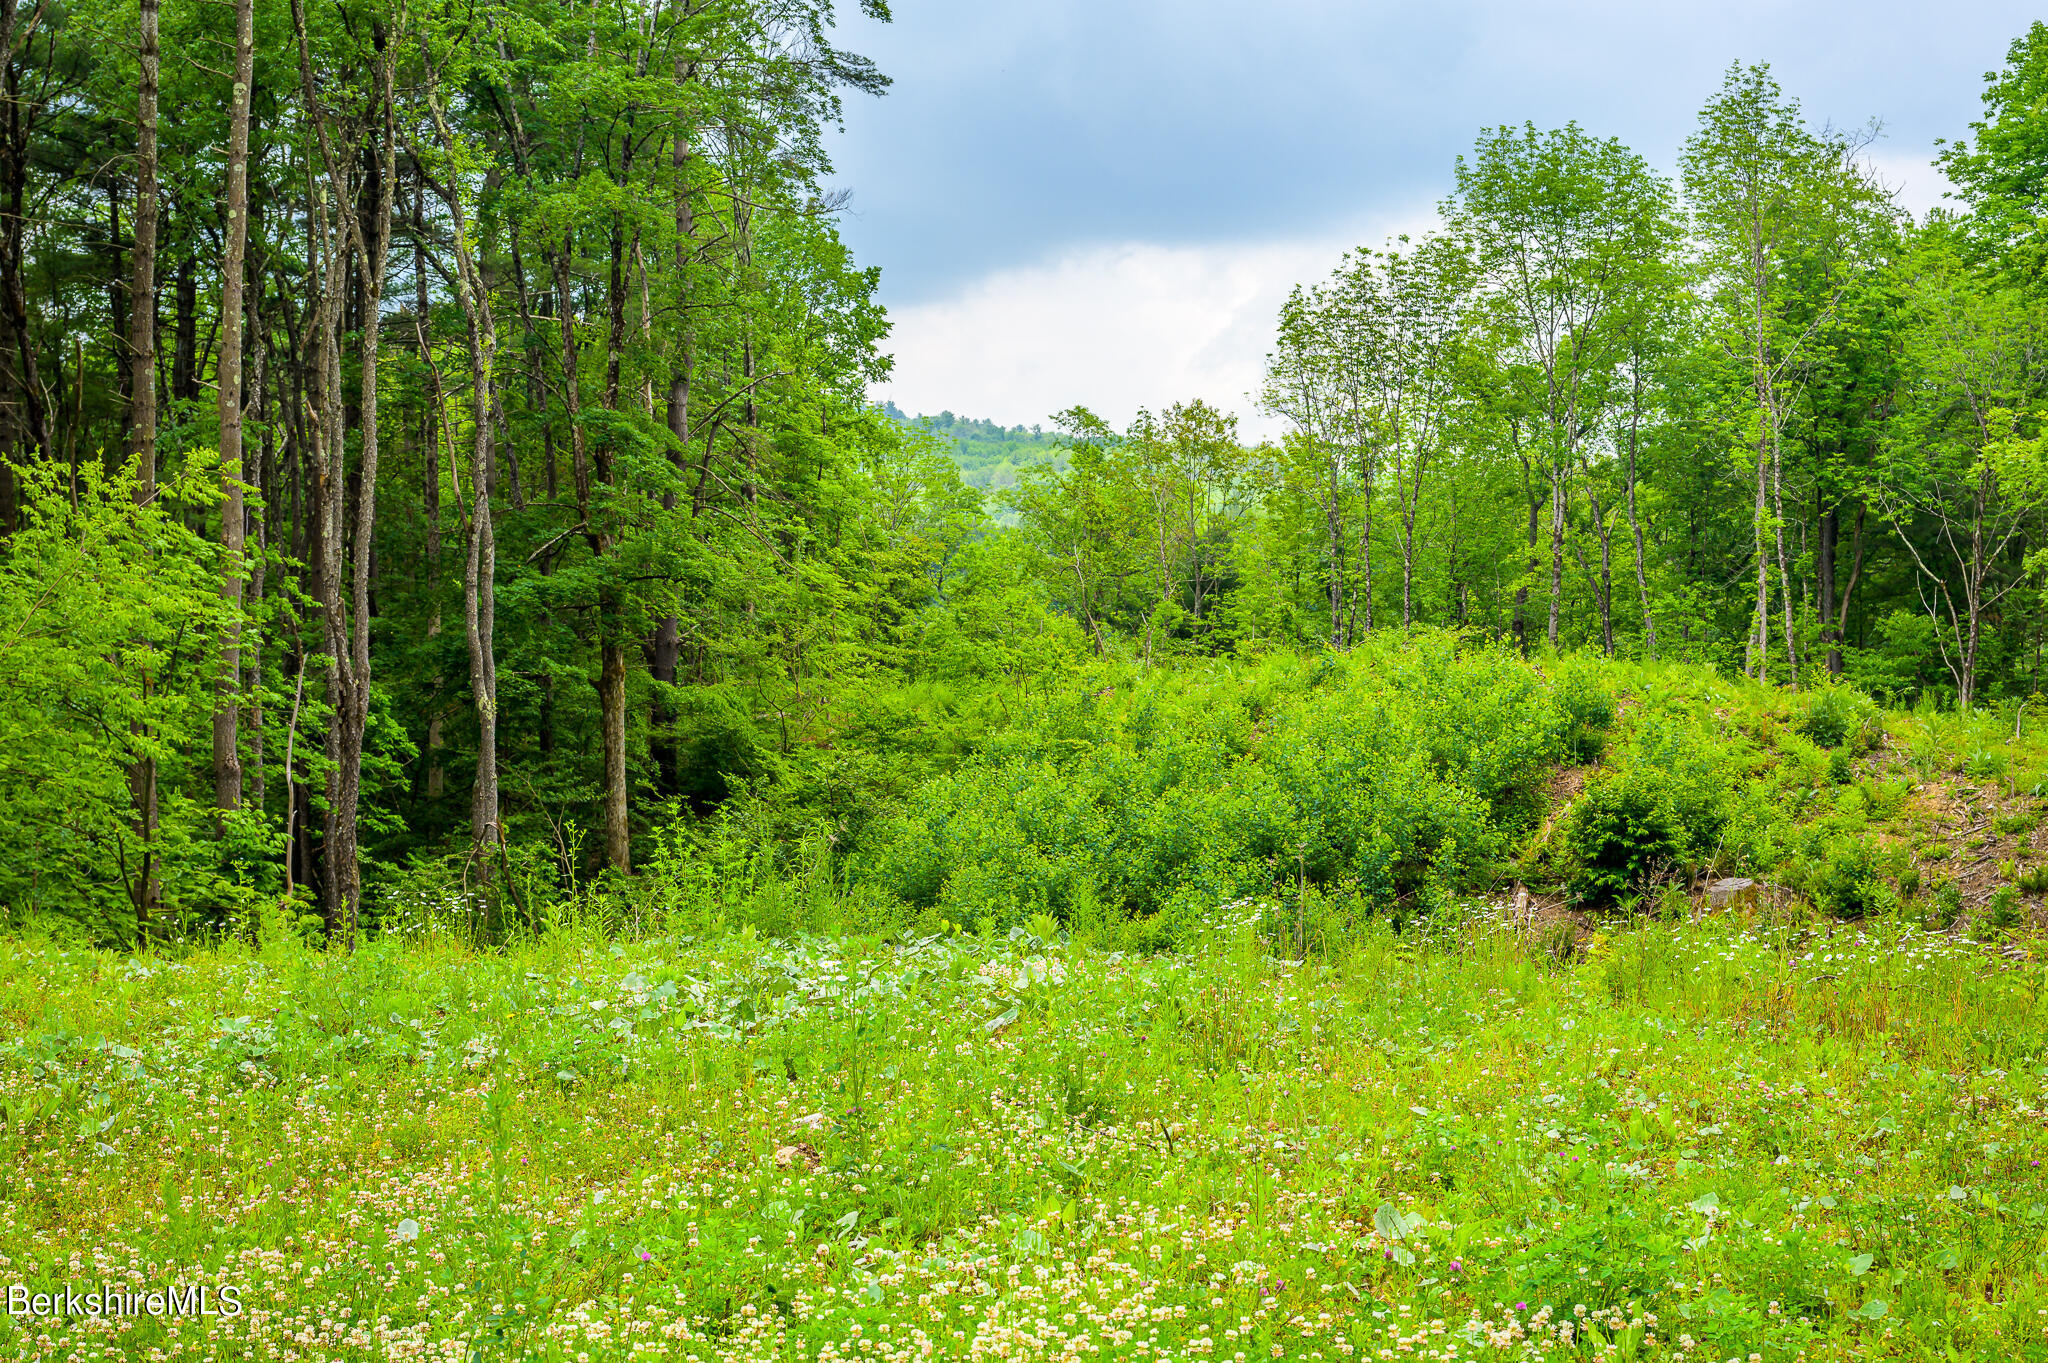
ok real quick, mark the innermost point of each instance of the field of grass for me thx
(1719, 1138)
(1310, 1008)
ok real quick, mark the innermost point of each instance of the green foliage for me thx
(1656, 816)
(1588, 707)
(1835, 716)
(108, 611)
(1845, 876)
(1387, 780)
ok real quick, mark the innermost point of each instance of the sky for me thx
(1104, 202)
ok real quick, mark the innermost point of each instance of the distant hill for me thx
(989, 455)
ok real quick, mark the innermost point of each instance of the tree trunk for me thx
(351, 241)
(227, 759)
(1556, 552)
(1521, 622)
(1828, 532)
(667, 650)
(1784, 563)
(1635, 525)
(1760, 627)
(479, 592)
(142, 407)
(258, 525)
(612, 704)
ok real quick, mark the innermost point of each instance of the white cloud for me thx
(1917, 182)
(1112, 328)
(1139, 324)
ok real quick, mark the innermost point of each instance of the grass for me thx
(757, 1107)
(1706, 1139)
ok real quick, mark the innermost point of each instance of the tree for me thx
(2001, 170)
(1565, 227)
(1776, 207)
(227, 757)
(1967, 457)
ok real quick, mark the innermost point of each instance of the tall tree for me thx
(142, 401)
(1563, 224)
(227, 758)
(1775, 205)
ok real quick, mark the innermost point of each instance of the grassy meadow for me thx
(1371, 1111)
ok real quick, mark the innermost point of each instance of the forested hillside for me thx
(989, 455)
(439, 452)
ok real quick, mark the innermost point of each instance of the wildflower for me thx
(407, 1230)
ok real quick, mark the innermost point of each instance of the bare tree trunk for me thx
(348, 630)
(1760, 627)
(1635, 525)
(667, 649)
(142, 406)
(479, 594)
(1556, 552)
(611, 689)
(227, 759)
(1784, 564)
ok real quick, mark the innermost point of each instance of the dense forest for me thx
(439, 438)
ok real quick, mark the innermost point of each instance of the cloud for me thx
(1105, 201)
(1114, 328)
(1917, 184)
(1016, 132)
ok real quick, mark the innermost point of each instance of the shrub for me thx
(1661, 812)
(1384, 779)
(2003, 912)
(1836, 715)
(1587, 708)
(1624, 833)
(1847, 878)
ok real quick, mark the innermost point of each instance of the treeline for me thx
(412, 411)
(989, 455)
(1754, 415)
(438, 454)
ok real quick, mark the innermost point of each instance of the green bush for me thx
(1847, 879)
(2003, 912)
(1588, 709)
(1624, 834)
(1384, 778)
(1658, 815)
(1836, 715)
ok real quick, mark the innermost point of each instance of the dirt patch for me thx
(1564, 786)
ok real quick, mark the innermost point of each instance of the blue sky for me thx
(1105, 202)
